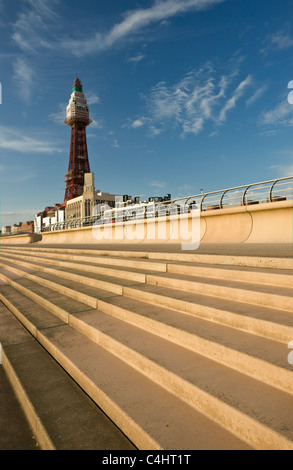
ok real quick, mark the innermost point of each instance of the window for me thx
(87, 208)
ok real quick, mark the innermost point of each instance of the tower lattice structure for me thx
(77, 117)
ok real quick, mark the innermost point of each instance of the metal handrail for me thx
(188, 200)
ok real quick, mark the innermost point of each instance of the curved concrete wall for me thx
(261, 223)
(227, 226)
(272, 223)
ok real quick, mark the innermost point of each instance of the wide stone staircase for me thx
(148, 350)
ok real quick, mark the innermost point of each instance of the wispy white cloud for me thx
(36, 27)
(137, 123)
(24, 77)
(201, 96)
(92, 98)
(154, 128)
(257, 95)
(97, 124)
(283, 170)
(135, 59)
(60, 115)
(237, 94)
(269, 132)
(33, 28)
(135, 21)
(280, 115)
(20, 141)
(44, 7)
(280, 40)
(158, 184)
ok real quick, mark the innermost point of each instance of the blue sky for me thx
(184, 95)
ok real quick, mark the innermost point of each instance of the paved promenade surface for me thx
(266, 250)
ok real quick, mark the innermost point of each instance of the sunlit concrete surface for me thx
(161, 340)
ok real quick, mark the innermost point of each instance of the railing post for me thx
(244, 195)
(222, 197)
(271, 190)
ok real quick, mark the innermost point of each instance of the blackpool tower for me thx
(77, 117)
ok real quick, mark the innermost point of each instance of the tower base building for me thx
(83, 206)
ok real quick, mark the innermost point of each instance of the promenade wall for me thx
(260, 223)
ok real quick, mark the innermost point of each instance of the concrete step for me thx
(74, 290)
(271, 323)
(274, 324)
(55, 302)
(257, 294)
(267, 322)
(226, 345)
(255, 260)
(125, 395)
(93, 258)
(205, 344)
(128, 273)
(260, 293)
(199, 297)
(159, 367)
(213, 389)
(252, 270)
(98, 280)
(258, 357)
(60, 415)
(271, 277)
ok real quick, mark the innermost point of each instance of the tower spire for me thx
(77, 86)
(77, 117)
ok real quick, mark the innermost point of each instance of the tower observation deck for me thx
(77, 117)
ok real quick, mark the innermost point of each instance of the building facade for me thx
(83, 206)
(50, 216)
(6, 230)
